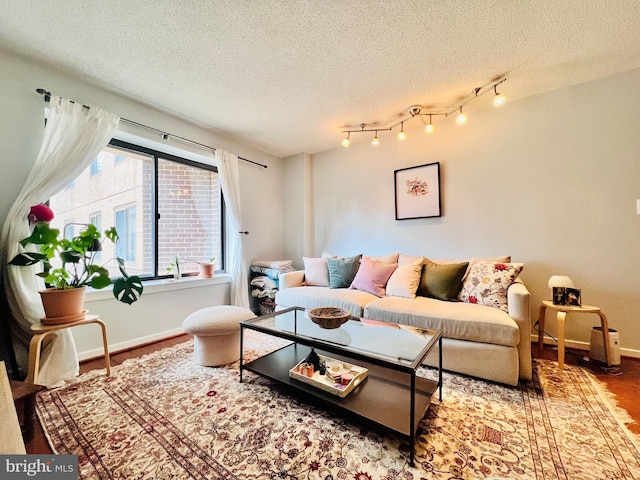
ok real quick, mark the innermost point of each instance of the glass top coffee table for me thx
(391, 395)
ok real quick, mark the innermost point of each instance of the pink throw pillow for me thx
(373, 276)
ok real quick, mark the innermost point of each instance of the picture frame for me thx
(417, 192)
(571, 297)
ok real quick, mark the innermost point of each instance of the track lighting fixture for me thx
(401, 135)
(417, 111)
(499, 99)
(461, 119)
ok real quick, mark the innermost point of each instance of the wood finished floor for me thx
(624, 386)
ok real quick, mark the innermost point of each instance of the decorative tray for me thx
(340, 377)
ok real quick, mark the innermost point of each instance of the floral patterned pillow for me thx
(487, 282)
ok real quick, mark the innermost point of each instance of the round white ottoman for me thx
(216, 332)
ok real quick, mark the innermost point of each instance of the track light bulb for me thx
(401, 135)
(461, 119)
(429, 129)
(345, 141)
(499, 99)
(376, 141)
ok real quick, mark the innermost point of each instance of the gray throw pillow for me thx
(342, 270)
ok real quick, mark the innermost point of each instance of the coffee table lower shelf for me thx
(384, 397)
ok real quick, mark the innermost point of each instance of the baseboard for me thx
(135, 342)
(624, 352)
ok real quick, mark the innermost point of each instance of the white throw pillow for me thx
(405, 280)
(316, 271)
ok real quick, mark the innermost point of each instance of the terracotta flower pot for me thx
(206, 270)
(63, 305)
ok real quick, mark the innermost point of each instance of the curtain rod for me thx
(165, 135)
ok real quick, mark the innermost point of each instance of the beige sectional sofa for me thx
(479, 340)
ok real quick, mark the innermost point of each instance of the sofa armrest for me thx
(518, 297)
(290, 279)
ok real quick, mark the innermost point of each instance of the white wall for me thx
(21, 128)
(551, 180)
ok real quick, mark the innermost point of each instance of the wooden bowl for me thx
(329, 317)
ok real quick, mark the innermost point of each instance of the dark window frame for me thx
(157, 154)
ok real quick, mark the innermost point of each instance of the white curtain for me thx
(230, 183)
(73, 137)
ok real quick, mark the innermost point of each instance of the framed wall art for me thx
(417, 191)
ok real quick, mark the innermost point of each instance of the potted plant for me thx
(207, 269)
(77, 270)
(174, 267)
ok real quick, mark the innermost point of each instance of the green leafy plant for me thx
(78, 259)
(174, 266)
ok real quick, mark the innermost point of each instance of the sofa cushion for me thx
(462, 321)
(404, 280)
(373, 276)
(316, 271)
(486, 283)
(407, 259)
(442, 280)
(390, 258)
(312, 297)
(342, 270)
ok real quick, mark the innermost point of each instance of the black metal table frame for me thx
(336, 349)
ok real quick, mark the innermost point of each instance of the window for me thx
(96, 166)
(126, 227)
(69, 229)
(96, 219)
(161, 205)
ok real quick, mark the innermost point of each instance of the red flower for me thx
(41, 213)
(500, 267)
(314, 466)
(473, 299)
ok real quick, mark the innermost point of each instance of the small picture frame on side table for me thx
(567, 296)
(573, 297)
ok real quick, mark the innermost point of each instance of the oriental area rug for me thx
(162, 416)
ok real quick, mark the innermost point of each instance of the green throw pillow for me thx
(441, 280)
(342, 271)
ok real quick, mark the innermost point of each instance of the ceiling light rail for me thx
(164, 135)
(418, 111)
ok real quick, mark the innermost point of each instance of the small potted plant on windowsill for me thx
(207, 269)
(77, 271)
(174, 268)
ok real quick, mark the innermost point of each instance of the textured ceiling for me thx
(285, 76)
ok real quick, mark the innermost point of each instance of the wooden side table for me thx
(562, 311)
(25, 393)
(11, 441)
(41, 331)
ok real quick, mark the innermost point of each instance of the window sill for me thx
(159, 286)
